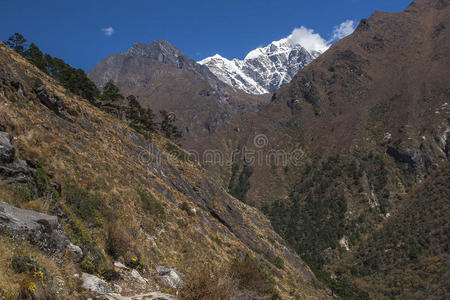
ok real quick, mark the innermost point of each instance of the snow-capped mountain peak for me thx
(231, 72)
(263, 69)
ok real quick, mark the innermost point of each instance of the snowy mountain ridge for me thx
(263, 69)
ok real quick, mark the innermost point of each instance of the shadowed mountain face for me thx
(164, 78)
(387, 84)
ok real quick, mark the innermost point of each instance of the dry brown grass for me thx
(209, 283)
(118, 242)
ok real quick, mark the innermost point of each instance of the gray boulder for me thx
(95, 284)
(76, 252)
(138, 276)
(169, 276)
(6, 148)
(38, 228)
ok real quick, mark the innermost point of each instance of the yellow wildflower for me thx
(39, 274)
(32, 287)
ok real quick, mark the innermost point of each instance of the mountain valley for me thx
(293, 173)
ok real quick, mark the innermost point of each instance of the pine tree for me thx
(35, 55)
(133, 101)
(17, 42)
(167, 127)
(111, 92)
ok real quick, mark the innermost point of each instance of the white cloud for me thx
(310, 40)
(109, 31)
(342, 30)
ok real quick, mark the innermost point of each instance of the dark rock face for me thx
(49, 100)
(18, 171)
(418, 158)
(12, 170)
(6, 149)
(53, 102)
(166, 53)
(38, 228)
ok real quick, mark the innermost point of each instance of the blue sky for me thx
(72, 30)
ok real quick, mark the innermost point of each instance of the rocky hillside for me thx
(264, 69)
(161, 51)
(162, 77)
(91, 208)
(346, 142)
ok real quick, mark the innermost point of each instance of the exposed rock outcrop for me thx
(7, 150)
(104, 290)
(143, 171)
(11, 169)
(95, 284)
(53, 102)
(138, 276)
(38, 228)
(169, 276)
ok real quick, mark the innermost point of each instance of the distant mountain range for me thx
(202, 94)
(264, 69)
(162, 77)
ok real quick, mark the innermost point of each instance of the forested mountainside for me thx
(357, 132)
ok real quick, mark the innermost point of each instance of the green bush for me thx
(21, 264)
(93, 260)
(184, 206)
(39, 186)
(151, 205)
(84, 204)
(111, 92)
